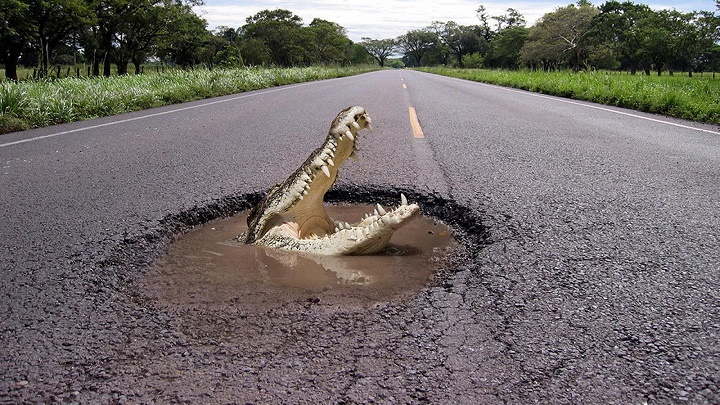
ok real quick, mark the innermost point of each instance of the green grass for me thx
(38, 103)
(693, 98)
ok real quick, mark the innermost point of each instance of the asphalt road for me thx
(590, 272)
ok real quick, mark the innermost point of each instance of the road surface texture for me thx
(590, 272)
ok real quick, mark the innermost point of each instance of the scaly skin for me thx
(292, 216)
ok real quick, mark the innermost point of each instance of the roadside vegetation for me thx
(693, 98)
(37, 103)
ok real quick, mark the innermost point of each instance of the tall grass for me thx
(33, 104)
(693, 98)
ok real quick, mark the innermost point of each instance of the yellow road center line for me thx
(415, 124)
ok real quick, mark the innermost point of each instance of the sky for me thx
(379, 19)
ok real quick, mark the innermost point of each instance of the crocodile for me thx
(291, 215)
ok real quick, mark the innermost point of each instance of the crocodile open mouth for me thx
(291, 216)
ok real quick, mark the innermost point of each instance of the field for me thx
(38, 103)
(694, 98)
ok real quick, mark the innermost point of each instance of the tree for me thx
(281, 32)
(460, 39)
(187, 37)
(506, 46)
(560, 37)
(617, 25)
(17, 32)
(695, 37)
(416, 44)
(131, 30)
(328, 41)
(231, 35)
(657, 45)
(54, 21)
(485, 30)
(357, 54)
(380, 49)
(137, 30)
(511, 19)
(255, 52)
(228, 56)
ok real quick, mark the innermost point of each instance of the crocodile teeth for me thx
(330, 162)
(350, 135)
(327, 173)
(381, 210)
(368, 126)
(403, 199)
(355, 125)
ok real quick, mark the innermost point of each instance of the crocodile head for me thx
(291, 216)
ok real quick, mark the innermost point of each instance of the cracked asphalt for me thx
(589, 273)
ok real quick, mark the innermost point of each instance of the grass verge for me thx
(34, 104)
(693, 98)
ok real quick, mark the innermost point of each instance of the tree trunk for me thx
(106, 66)
(121, 67)
(137, 63)
(10, 61)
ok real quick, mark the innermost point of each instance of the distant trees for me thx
(642, 38)
(278, 37)
(380, 49)
(579, 36)
(416, 44)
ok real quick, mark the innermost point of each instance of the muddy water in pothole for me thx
(209, 268)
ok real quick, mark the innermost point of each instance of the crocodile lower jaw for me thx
(369, 236)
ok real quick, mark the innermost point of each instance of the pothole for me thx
(207, 268)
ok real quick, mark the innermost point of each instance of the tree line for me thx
(102, 33)
(614, 35)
